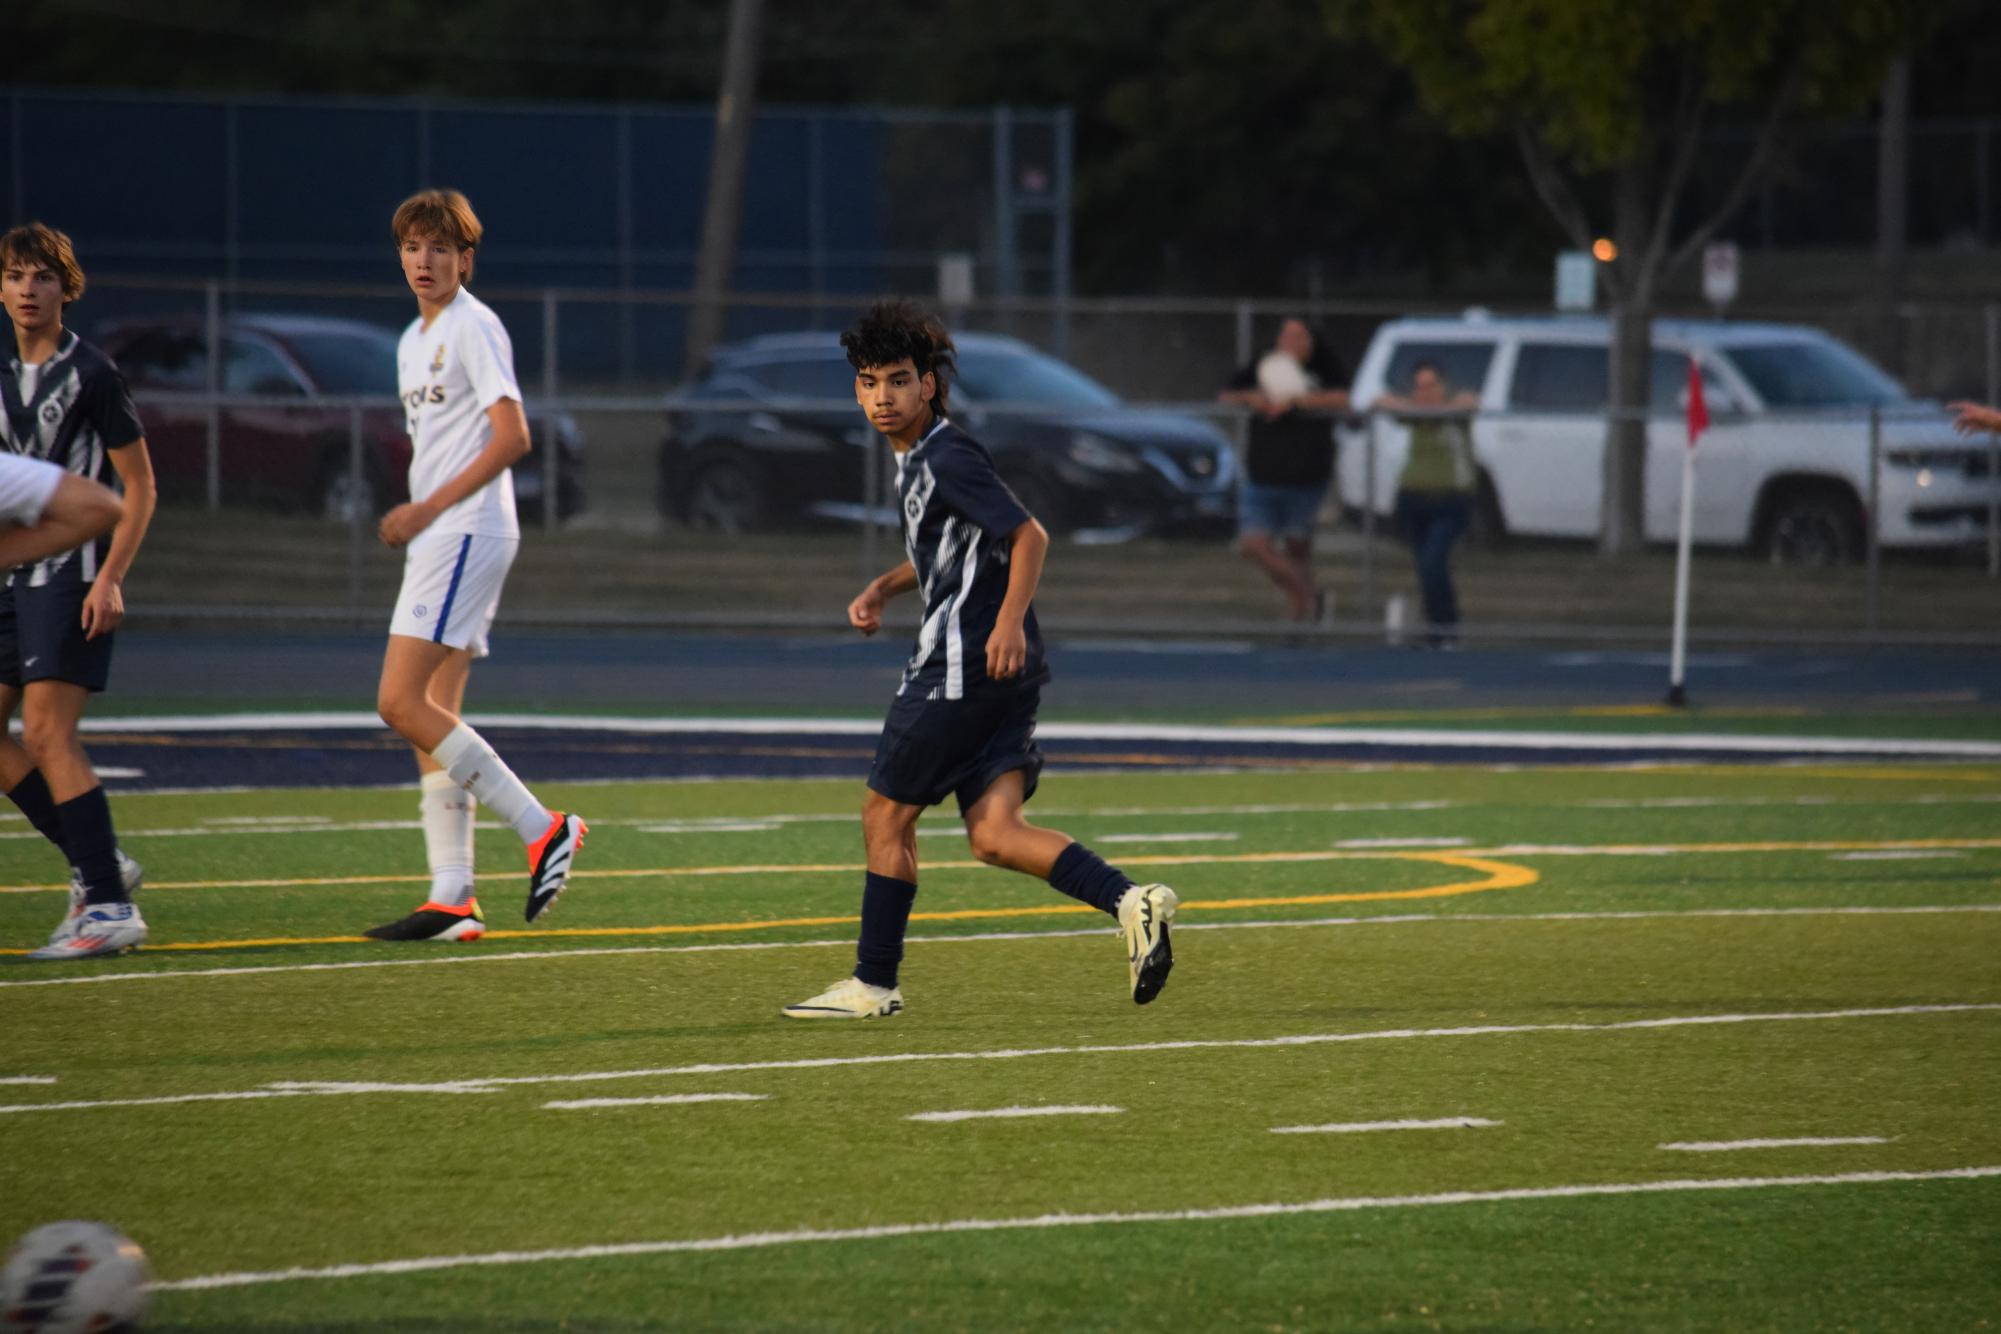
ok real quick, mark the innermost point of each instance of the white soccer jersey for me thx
(25, 488)
(449, 375)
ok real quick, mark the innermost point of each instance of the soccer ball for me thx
(73, 1276)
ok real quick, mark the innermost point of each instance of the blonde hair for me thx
(38, 245)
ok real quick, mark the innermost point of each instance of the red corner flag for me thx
(1698, 411)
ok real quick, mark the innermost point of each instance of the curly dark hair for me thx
(890, 331)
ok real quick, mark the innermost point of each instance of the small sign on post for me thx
(1576, 280)
(1719, 274)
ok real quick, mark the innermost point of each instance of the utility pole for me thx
(722, 212)
(1893, 136)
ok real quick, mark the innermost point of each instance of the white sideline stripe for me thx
(1184, 1044)
(1351, 1204)
(27, 1079)
(1403, 843)
(984, 937)
(1803, 1142)
(284, 1088)
(1357, 1127)
(1077, 1110)
(665, 1099)
(1298, 736)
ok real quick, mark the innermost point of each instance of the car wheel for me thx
(1816, 529)
(725, 496)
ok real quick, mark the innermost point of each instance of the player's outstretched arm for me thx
(1007, 646)
(79, 510)
(865, 612)
(505, 447)
(104, 605)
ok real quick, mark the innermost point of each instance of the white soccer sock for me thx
(474, 767)
(447, 811)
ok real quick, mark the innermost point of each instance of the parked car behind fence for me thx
(1784, 468)
(297, 456)
(769, 435)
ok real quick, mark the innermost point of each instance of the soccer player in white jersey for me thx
(63, 402)
(455, 369)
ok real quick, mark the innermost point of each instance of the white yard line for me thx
(1350, 1204)
(1477, 739)
(985, 937)
(27, 1079)
(1803, 1142)
(1185, 1044)
(484, 1084)
(1009, 1112)
(1359, 843)
(1360, 1127)
(1166, 838)
(1906, 855)
(664, 1100)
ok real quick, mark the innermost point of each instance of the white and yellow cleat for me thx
(849, 998)
(1145, 913)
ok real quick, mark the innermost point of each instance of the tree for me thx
(1608, 101)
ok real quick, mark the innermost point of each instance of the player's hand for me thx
(1971, 417)
(103, 608)
(403, 523)
(865, 612)
(1007, 651)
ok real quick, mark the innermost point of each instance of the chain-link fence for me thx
(755, 495)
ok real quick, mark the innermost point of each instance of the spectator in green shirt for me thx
(1436, 488)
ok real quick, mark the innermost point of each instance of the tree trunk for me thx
(1622, 520)
(736, 108)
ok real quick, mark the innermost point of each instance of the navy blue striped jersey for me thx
(72, 411)
(957, 518)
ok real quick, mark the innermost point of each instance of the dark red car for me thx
(296, 456)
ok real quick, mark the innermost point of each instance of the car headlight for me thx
(1095, 452)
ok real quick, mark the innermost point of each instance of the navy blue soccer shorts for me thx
(935, 748)
(41, 636)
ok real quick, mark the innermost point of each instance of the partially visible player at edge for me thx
(62, 401)
(455, 370)
(963, 721)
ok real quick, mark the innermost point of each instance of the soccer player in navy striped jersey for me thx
(62, 401)
(963, 721)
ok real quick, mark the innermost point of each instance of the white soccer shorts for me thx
(451, 588)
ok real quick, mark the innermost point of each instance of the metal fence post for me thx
(212, 333)
(357, 513)
(1993, 443)
(1243, 333)
(1872, 590)
(552, 451)
(1369, 517)
(871, 497)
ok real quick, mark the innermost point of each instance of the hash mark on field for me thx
(1352, 1204)
(663, 1100)
(1078, 1110)
(1403, 843)
(27, 1079)
(1357, 1127)
(1802, 1142)
(1166, 838)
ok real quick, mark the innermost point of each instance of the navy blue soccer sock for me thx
(1084, 875)
(32, 795)
(885, 917)
(93, 847)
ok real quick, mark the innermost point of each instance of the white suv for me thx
(1783, 467)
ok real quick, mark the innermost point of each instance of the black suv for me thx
(770, 435)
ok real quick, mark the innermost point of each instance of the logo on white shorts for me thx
(420, 611)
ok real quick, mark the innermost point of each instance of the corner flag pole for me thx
(1698, 421)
